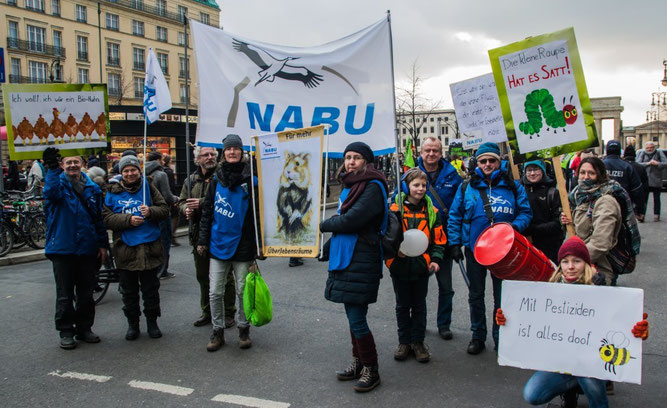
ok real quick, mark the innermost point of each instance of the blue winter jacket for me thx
(446, 184)
(69, 227)
(467, 218)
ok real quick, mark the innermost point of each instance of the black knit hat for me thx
(232, 140)
(361, 148)
(630, 152)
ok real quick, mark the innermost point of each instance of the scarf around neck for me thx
(588, 191)
(356, 182)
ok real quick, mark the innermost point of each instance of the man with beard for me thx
(189, 202)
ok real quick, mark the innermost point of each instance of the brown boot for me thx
(352, 372)
(402, 352)
(217, 340)
(421, 352)
(244, 337)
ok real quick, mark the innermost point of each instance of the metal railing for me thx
(151, 9)
(139, 66)
(113, 91)
(113, 61)
(35, 46)
(82, 55)
(181, 73)
(19, 79)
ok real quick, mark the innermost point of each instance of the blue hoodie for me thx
(446, 184)
(467, 218)
(69, 228)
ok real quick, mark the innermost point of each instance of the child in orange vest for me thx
(410, 274)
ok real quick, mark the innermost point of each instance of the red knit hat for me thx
(574, 246)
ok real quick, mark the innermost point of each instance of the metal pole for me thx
(252, 194)
(99, 33)
(324, 192)
(187, 110)
(393, 92)
(143, 185)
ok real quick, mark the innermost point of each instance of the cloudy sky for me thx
(622, 43)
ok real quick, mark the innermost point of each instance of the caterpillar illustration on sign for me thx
(613, 351)
(541, 99)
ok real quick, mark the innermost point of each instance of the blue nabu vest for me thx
(129, 203)
(229, 211)
(342, 246)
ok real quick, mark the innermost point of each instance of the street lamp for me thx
(664, 79)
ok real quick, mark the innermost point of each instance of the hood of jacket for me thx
(152, 167)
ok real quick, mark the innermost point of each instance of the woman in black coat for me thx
(545, 227)
(355, 258)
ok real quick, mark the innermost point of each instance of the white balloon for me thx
(415, 242)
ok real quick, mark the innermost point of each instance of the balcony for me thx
(139, 66)
(113, 91)
(82, 56)
(39, 10)
(18, 79)
(35, 47)
(151, 9)
(113, 61)
(181, 74)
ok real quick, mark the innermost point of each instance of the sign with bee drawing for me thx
(70, 117)
(582, 330)
(543, 96)
(289, 169)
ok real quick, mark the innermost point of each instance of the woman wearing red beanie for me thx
(574, 267)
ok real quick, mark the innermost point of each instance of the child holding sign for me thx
(574, 268)
(410, 273)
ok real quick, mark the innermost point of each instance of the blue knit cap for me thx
(538, 163)
(489, 149)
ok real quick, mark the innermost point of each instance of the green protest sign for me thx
(543, 96)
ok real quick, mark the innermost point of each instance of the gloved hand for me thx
(455, 252)
(51, 157)
(599, 279)
(641, 328)
(500, 317)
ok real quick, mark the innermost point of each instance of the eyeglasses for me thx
(535, 170)
(490, 161)
(207, 155)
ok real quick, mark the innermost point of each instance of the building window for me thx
(13, 33)
(112, 21)
(36, 37)
(139, 87)
(404, 131)
(81, 48)
(113, 84)
(138, 56)
(58, 43)
(138, 28)
(161, 33)
(183, 93)
(181, 38)
(83, 75)
(16, 67)
(36, 5)
(37, 72)
(182, 13)
(137, 4)
(161, 7)
(113, 54)
(81, 13)
(11, 2)
(432, 129)
(446, 130)
(163, 59)
(183, 67)
(204, 18)
(55, 7)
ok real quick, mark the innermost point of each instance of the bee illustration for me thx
(614, 352)
(542, 99)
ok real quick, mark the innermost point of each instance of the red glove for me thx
(641, 328)
(500, 317)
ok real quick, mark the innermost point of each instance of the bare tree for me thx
(412, 104)
(125, 88)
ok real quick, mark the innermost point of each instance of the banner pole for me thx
(393, 92)
(515, 168)
(252, 193)
(187, 117)
(564, 202)
(143, 186)
(324, 192)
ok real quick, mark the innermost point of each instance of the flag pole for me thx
(143, 185)
(252, 192)
(187, 110)
(393, 92)
(324, 192)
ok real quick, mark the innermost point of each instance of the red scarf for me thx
(356, 182)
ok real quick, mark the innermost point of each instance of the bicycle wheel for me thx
(36, 231)
(100, 291)
(6, 239)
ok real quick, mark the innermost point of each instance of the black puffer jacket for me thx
(545, 227)
(359, 282)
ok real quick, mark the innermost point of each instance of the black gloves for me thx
(455, 252)
(599, 279)
(51, 157)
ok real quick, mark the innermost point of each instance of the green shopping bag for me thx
(257, 302)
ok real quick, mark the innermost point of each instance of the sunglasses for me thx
(490, 161)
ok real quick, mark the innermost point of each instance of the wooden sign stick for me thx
(565, 203)
(515, 168)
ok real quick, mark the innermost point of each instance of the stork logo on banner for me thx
(272, 67)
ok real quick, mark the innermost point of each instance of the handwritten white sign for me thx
(478, 111)
(577, 329)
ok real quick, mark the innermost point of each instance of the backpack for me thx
(623, 256)
(391, 231)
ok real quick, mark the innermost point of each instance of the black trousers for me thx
(131, 282)
(411, 309)
(75, 280)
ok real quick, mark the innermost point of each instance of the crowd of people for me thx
(450, 203)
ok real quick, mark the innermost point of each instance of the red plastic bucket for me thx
(509, 255)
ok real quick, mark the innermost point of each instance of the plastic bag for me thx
(257, 302)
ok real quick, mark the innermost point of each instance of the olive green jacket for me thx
(141, 257)
(199, 186)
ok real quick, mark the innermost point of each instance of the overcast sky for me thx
(622, 43)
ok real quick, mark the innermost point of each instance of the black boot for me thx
(244, 337)
(132, 329)
(370, 378)
(152, 328)
(352, 372)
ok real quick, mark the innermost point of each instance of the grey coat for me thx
(654, 172)
(161, 181)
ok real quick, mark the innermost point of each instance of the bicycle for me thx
(105, 276)
(23, 222)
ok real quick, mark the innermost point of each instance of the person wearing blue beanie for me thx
(488, 149)
(538, 163)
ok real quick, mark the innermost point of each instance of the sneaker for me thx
(166, 275)
(445, 333)
(352, 372)
(202, 321)
(216, 341)
(370, 378)
(476, 346)
(88, 336)
(67, 342)
(402, 352)
(421, 352)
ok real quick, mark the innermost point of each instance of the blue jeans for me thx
(411, 309)
(356, 317)
(165, 240)
(477, 275)
(542, 387)
(445, 293)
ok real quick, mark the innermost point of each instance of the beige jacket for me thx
(599, 230)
